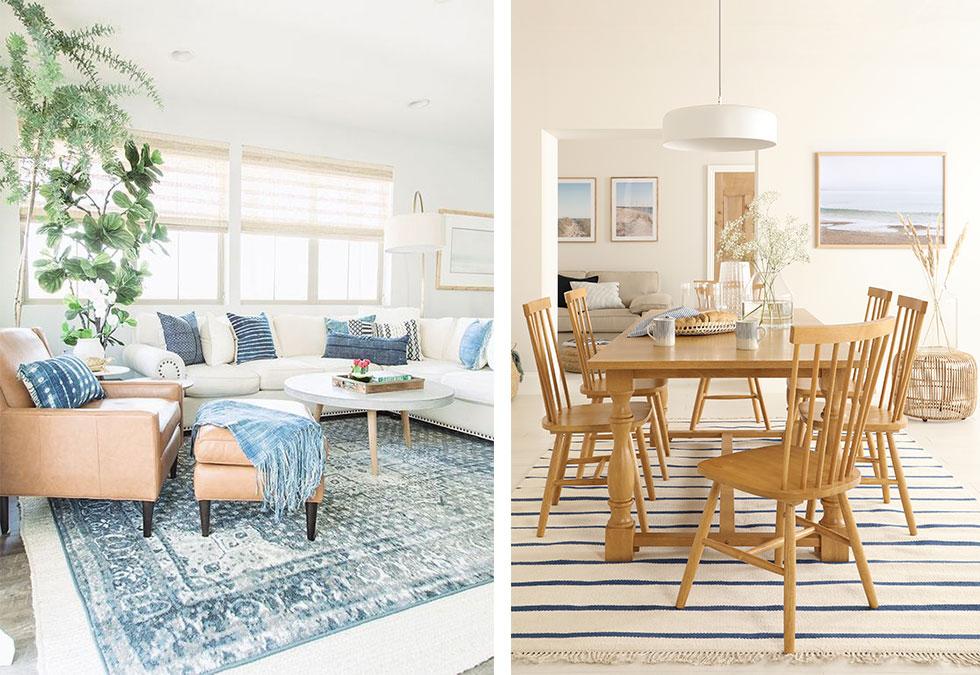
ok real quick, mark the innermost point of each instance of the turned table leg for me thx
(372, 420)
(406, 430)
(832, 550)
(622, 469)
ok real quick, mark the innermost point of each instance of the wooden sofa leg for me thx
(311, 508)
(173, 468)
(147, 518)
(205, 506)
(4, 515)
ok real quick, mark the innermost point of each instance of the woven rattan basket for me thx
(943, 385)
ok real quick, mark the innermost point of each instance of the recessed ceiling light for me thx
(182, 55)
(419, 103)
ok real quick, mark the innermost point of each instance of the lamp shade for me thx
(415, 233)
(719, 127)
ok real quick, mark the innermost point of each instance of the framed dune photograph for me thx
(859, 196)
(576, 209)
(635, 209)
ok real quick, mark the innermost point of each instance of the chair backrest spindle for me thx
(544, 345)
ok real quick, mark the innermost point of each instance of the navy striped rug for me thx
(571, 605)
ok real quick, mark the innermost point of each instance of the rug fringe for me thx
(741, 658)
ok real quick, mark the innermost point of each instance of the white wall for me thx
(678, 255)
(449, 177)
(873, 75)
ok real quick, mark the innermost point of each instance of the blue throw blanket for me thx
(286, 449)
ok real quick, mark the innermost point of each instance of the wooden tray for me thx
(359, 387)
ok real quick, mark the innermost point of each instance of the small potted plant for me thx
(359, 370)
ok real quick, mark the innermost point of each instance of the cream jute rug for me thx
(570, 605)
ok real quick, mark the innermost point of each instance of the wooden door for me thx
(733, 194)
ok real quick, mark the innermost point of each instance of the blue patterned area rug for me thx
(179, 602)
(570, 605)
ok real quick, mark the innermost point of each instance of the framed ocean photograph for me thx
(860, 194)
(576, 209)
(635, 208)
(466, 262)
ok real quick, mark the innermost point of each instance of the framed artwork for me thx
(466, 262)
(731, 188)
(860, 194)
(635, 208)
(576, 210)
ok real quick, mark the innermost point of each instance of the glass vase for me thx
(940, 326)
(771, 303)
(735, 282)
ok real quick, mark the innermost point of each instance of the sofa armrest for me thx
(644, 303)
(171, 391)
(153, 362)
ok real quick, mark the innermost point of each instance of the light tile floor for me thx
(957, 444)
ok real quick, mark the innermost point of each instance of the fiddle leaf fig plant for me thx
(94, 243)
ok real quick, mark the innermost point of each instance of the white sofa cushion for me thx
(222, 380)
(430, 369)
(325, 365)
(299, 334)
(217, 339)
(471, 385)
(274, 372)
(149, 331)
(434, 334)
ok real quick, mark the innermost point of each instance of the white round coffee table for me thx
(318, 388)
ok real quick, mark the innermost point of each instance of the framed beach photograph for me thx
(635, 208)
(860, 194)
(576, 209)
(466, 262)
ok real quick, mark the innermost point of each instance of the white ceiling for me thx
(354, 63)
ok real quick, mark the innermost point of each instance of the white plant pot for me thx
(89, 348)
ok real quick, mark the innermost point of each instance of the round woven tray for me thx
(706, 329)
(942, 385)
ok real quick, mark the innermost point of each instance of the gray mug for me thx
(747, 334)
(662, 330)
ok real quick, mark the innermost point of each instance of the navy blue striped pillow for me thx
(62, 382)
(253, 337)
(382, 351)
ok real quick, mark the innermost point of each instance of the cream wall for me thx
(875, 75)
(449, 177)
(678, 255)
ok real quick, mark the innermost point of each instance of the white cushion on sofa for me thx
(434, 334)
(221, 380)
(217, 339)
(274, 372)
(299, 334)
(430, 369)
(471, 385)
(325, 365)
(149, 331)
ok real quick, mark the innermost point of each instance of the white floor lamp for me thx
(416, 232)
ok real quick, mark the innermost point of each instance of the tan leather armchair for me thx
(120, 447)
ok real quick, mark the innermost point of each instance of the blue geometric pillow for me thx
(61, 382)
(382, 351)
(182, 337)
(253, 337)
(361, 326)
(473, 346)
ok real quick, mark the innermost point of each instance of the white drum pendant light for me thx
(719, 127)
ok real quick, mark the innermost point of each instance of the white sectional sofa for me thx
(300, 341)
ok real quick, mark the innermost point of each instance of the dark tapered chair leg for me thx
(4, 515)
(205, 506)
(311, 520)
(173, 468)
(147, 518)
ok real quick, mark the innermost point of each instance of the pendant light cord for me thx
(719, 52)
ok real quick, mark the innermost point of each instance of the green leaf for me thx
(121, 199)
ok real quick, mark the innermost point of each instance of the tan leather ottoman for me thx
(222, 472)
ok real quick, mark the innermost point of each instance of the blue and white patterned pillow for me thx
(360, 326)
(60, 382)
(473, 346)
(182, 337)
(253, 337)
(382, 351)
(409, 328)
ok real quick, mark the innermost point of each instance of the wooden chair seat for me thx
(753, 470)
(593, 418)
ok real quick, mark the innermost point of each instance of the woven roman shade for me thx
(286, 193)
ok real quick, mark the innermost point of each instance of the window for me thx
(312, 228)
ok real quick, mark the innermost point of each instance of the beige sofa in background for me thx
(639, 291)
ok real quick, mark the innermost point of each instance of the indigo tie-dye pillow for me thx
(60, 382)
(382, 351)
(253, 337)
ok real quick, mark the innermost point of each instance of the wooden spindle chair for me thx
(831, 356)
(707, 293)
(563, 419)
(652, 390)
(888, 416)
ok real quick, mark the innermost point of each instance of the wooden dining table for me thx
(625, 359)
